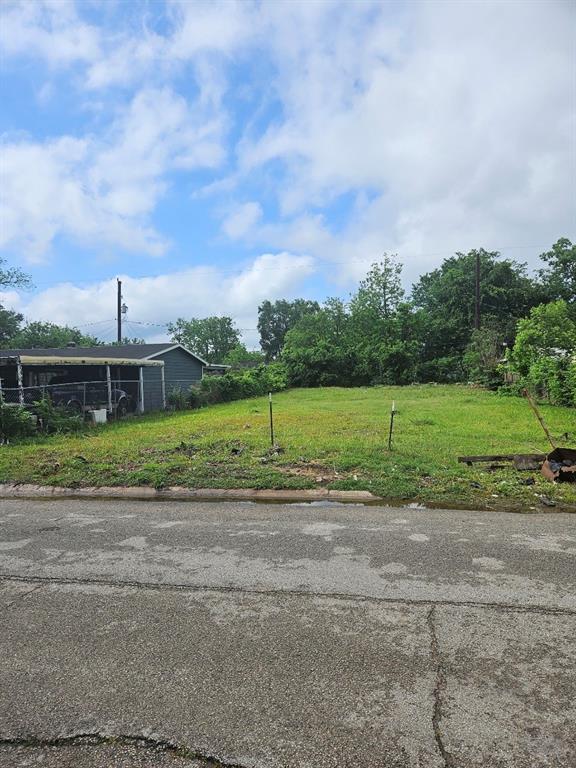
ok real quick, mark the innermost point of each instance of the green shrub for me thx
(195, 397)
(544, 353)
(237, 385)
(15, 422)
(56, 418)
(178, 399)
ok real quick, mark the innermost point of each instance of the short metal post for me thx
(392, 412)
(271, 420)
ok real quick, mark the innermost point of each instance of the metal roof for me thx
(105, 351)
(52, 360)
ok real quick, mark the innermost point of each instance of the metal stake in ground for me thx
(271, 420)
(392, 413)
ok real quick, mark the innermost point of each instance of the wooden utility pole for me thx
(119, 310)
(477, 312)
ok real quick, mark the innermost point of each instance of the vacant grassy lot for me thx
(332, 437)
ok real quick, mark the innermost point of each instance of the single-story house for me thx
(138, 377)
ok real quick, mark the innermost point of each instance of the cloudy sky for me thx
(213, 154)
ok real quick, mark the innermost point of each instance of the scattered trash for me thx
(475, 485)
(560, 465)
(187, 448)
(527, 481)
(547, 502)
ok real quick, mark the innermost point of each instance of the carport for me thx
(26, 377)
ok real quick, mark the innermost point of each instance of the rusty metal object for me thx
(560, 466)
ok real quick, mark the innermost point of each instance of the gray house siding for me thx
(152, 379)
(181, 370)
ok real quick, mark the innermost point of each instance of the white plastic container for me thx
(99, 416)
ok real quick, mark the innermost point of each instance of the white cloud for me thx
(458, 118)
(48, 29)
(242, 220)
(100, 191)
(187, 293)
(451, 124)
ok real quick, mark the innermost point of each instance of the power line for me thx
(328, 262)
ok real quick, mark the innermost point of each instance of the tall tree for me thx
(240, 357)
(380, 293)
(316, 350)
(50, 335)
(9, 326)
(446, 299)
(212, 338)
(275, 319)
(559, 276)
(11, 277)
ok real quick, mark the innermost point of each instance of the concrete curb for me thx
(145, 493)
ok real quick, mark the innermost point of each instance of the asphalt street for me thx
(144, 634)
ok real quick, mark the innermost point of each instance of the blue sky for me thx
(214, 154)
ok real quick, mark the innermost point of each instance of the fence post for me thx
(141, 390)
(20, 382)
(163, 387)
(109, 385)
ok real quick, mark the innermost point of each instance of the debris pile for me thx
(560, 465)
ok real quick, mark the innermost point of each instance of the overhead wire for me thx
(245, 270)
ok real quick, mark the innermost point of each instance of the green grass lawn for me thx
(332, 437)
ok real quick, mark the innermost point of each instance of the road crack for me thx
(96, 739)
(23, 595)
(230, 589)
(439, 690)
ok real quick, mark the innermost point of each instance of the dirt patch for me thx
(320, 473)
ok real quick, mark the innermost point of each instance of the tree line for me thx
(527, 334)
(383, 335)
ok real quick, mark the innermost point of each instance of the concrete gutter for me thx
(178, 493)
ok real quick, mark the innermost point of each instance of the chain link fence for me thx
(123, 396)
